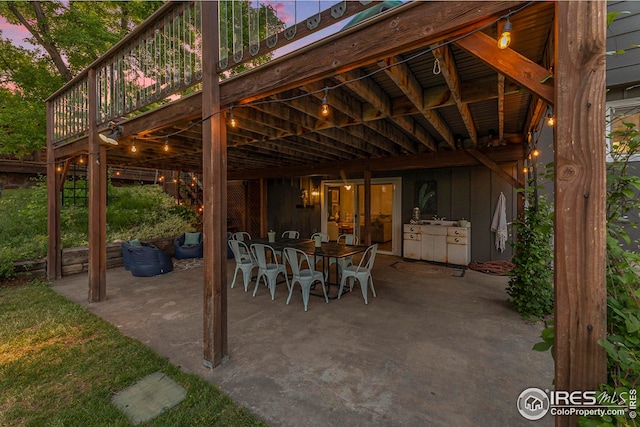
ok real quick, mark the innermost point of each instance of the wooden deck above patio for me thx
(425, 77)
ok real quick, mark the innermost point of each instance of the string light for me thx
(59, 168)
(503, 42)
(535, 152)
(81, 160)
(505, 38)
(133, 146)
(324, 109)
(550, 119)
(232, 120)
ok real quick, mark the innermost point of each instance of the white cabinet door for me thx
(411, 248)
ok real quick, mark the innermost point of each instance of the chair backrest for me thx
(293, 256)
(368, 258)
(259, 251)
(242, 236)
(349, 239)
(324, 237)
(240, 250)
(291, 234)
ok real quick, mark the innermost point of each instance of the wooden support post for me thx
(54, 250)
(580, 197)
(263, 207)
(367, 206)
(97, 163)
(214, 171)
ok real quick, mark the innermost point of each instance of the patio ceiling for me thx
(379, 113)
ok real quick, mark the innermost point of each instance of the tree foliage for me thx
(66, 38)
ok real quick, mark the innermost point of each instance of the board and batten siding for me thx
(463, 192)
(622, 34)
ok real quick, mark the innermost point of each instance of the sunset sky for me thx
(286, 10)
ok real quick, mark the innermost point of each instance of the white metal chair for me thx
(269, 268)
(242, 236)
(324, 237)
(244, 262)
(361, 273)
(305, 277)
(342, 263)
(291, 234)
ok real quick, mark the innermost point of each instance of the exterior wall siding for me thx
(466, 192)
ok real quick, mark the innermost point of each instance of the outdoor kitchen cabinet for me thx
(433, 246)
(411, 240)
(447, 244)
(458, 245)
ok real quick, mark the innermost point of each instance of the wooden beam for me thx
(54, 247)
(450, 74)
(367, 207)
(400, 73)
(510, 63)
(97, 164)
(408, 29)
(444, 159)
(580, 197)
(440, 96)
(500, 108)
(482, 158)
(380, 101)
(214, 169)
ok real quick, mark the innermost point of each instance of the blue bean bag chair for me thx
(188, 245)
(144, 259)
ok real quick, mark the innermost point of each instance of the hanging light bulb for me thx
(81, 160)
(505, 38)
(166, 145)
(59, 168)
(324, 109)
(133, 146)
(550, 119)
(535, 152)
(233, 122)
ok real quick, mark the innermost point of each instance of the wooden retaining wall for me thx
(76, 260)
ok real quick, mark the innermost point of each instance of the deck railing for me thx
(163, 57)
(158, 59)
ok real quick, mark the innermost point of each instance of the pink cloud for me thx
(15, 33)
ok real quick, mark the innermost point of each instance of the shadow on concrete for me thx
(428, 351)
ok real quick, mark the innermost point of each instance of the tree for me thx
(67, 38)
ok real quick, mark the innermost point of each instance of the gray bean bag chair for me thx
(188, 245)
(144, 259)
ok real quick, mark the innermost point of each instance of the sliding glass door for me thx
(343, 211)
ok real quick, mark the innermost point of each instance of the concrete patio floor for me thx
(430, 350)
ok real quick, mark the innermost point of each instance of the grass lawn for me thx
(60, 365)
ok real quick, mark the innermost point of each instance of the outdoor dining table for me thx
(326, 250)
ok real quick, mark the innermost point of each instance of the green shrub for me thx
(530, 287)
(139, 211)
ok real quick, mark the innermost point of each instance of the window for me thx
(619, 113)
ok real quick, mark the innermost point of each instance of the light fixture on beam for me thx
(115, 132)
(551, 120)
(324, 108)
(233, 122)
(505, 37)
